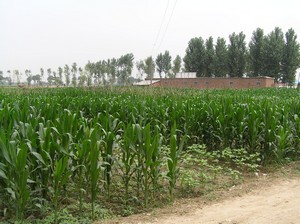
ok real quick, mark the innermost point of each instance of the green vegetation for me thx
(98, 152)
(275, 55)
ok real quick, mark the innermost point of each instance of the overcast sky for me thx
(52, 33)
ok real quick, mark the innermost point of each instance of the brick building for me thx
(212, 83)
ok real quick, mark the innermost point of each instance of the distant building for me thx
(189, 80)
(188, 75)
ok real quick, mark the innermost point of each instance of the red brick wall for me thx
(217, 83)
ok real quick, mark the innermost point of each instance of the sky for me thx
(45, 34)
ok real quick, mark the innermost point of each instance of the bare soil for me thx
(267, 197)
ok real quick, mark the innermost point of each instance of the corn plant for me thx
(96, 129)
(15, 173)
(129, 153)
(150, 147)
(60, 178)
(175, 150)
(110, 128)
(157, 161)
(94, 167)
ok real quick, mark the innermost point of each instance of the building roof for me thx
(145, 82)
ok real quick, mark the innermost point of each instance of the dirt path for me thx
(272, 202)
(279, 203)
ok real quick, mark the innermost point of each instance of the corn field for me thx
(87, 144)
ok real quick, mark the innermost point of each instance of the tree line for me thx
(114, 71)
(275, 54)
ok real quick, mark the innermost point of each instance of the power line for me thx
(163, 37)
(161, 24)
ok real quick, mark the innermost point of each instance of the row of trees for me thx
(275, 55)
(103, 72)
(163, 65)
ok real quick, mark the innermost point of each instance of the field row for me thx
(82, 143)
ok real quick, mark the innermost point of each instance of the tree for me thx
(256, 57)
(209, 57)
(221, 58)
(1, 77)
(67, 74)
(89, 67)
(176, 65)
(55, 78)
(9, 77)
(99, 71)
(160, 64)
(42, 75)
(140, 67)
(112, 70)
(17, 74)
(29, 76)
(82, 77)
(74, 72)
(36, 78)
(273, 54)
(167, 58)
(60, 72)
(50, 78)
(237, 55)
(149, 67)
(125, 65)
(291, 57)
(103, 71)
(194, 59)
(4, 79)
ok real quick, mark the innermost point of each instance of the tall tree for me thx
(256, 56)
(36, 79)
(55, 78)
(125, 65)
(167, 58)
(194, 59)
(42, 72)
(160, 64)
(1, 77)
(67, 74)
(17, 74)
(60, 73)
(237, 55)
(176, 65)
(10, 80)
(221, 58)
(103, 71)
(149, 67)
(112, 70)
(29, 76)
(140, 67)
(291, 57)
(49, 72)
(89, 67)
(273, 54)
(97, 72)
(74, 72)
(82, 77)
(50, 77)
(209, 57)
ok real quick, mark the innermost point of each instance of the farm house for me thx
(189, 80)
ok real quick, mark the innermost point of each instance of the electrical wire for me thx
(161, 24)
(163, 37)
